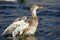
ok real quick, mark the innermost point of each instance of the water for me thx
(49, 20)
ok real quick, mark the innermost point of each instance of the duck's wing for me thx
(16, 23)
(21, 28)
(11, 27)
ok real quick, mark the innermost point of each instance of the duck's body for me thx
(32, 27)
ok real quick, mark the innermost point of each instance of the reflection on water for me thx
(30, 37)
(26, 37)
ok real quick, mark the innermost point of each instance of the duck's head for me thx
(35, 7)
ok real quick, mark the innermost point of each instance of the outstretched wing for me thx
(10, 28)
(18, 22)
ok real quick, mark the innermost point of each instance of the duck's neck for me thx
(33, 13)
(34, 18)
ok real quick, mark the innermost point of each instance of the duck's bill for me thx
(40, 7)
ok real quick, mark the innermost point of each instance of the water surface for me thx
(49, 20)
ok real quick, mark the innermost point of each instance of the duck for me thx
(28, 26)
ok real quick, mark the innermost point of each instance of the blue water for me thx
(49, 19)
